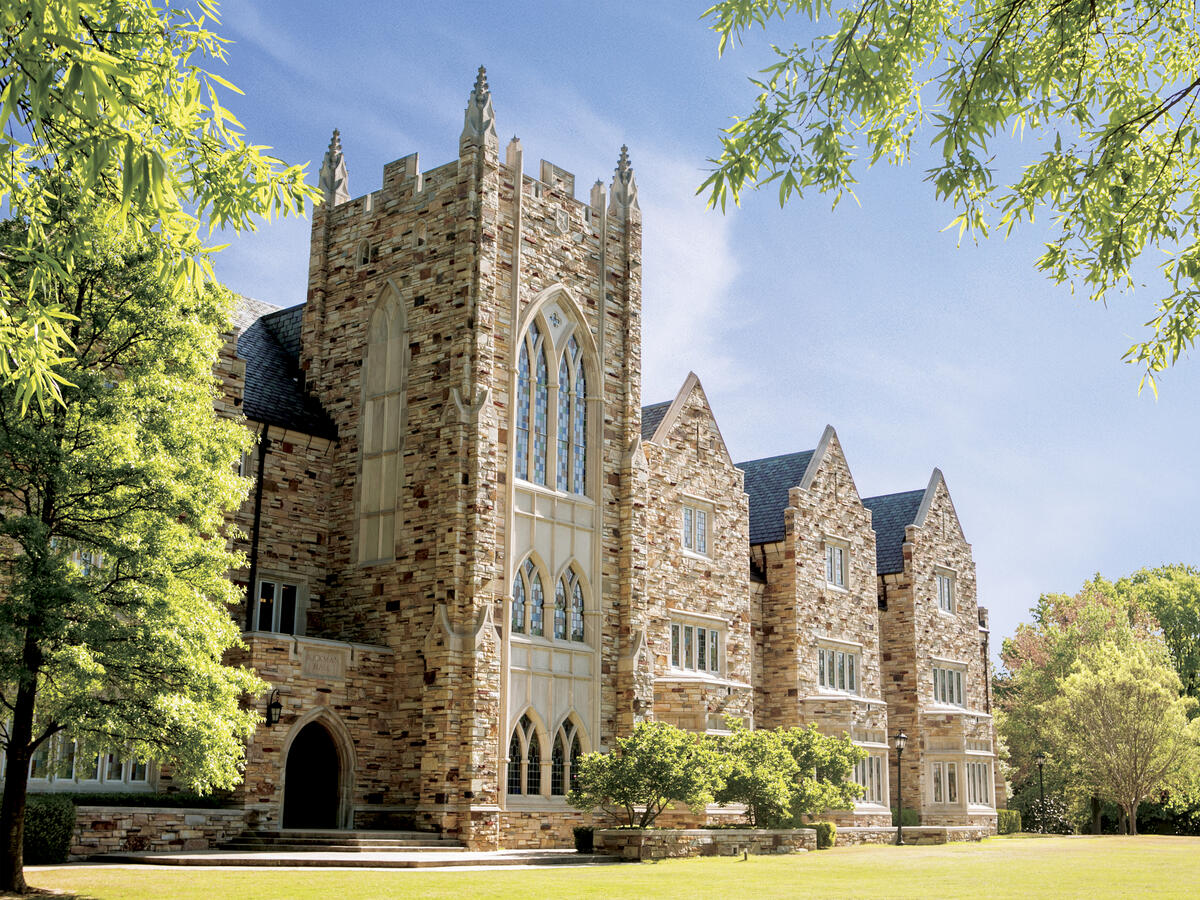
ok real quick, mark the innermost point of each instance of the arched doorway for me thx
(312, 781)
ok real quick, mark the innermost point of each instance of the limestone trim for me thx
(347, 760)
(814, 463)
(691, 383)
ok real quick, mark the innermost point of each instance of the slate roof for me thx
(768, 482)
(890, 513)
(652, 417)
(275, 394)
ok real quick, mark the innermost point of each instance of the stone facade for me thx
(107, 829)
(492, 556)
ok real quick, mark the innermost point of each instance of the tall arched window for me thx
(575, 755)
(529, 599)
(533, 765)
(558, 767)
(536, 420)
(524, 759)
(514, 763)
(568, 607)
(381, 430)
(518, 605)
(564, 764)
(560, 609)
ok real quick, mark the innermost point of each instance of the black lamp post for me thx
(901, 740)
(1040, 759)
(274, 708)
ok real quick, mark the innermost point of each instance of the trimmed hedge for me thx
(173, 800)
(826, 834)
(911, 817)
(585, 838)
(49, 824)
(1009, 821)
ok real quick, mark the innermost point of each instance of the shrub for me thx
(653, 767)
(1008, 821)
(910, 818)
(174, 800)
(49, 824)
(1050, 817)
(826, 834)
(585, 838)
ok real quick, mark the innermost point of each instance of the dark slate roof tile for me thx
(768, 482)
(275, 391)
(652, 417)
(890, 514)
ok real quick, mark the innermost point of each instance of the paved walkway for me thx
(366, 859)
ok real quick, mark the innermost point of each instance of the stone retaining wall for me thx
(913, 834)
(110, 829)
(667, 843)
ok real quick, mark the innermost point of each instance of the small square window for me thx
(277, 607)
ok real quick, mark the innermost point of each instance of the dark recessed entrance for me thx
(312, 786)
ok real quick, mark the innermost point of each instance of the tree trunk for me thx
(1133, 808)
(1095, 814)
(16, 783)
(1121, 819)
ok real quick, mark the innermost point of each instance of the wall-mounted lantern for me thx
(274, 709)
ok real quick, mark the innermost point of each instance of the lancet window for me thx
(382, 431)
(568, 607)
(529, 598)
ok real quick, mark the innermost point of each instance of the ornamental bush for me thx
(49, 825)
(826, 834)
(655, 766)
(1008, 821)
(910, 817)
(1050, 817)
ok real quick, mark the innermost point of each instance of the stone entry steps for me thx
(299, 840)
(360, 859)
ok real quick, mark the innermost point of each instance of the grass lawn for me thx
(1000, 867)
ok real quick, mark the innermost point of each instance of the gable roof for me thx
(890, 515)
(275, 394)
(768, 482)
(652, 417)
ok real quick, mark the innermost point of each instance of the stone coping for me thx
(297, 639)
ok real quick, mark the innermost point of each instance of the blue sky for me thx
(869, 317)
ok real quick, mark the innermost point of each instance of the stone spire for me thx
(479, 120)
(623, 196)
(333, 181)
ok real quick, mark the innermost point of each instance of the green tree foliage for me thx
(1171, 594)
(1104, 93)
(113, 549)
(109, 102)
(784, 774)
(652, 768)
(1120, 719)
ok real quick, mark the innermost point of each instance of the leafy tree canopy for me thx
(108, 102)
(1172, 595)
(1107, 91)
(653, 767)
(1120, 719)
(113, 543)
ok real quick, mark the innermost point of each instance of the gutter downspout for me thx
(264, 447)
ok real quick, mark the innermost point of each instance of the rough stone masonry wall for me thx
(692, 463)
(350, 689)
(901, 681)
(831, 508)
(672, 843)
(113, 829)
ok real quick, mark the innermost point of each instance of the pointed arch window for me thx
(568, 607)
(524, 759)
(564, 760)
(529, 599)
(533, 765)
(573, 772)
(541, 412)
(558, 767)
(518, 605)
(560, 609)
(381, 430)
(514, 762)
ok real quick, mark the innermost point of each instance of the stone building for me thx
(474, 555)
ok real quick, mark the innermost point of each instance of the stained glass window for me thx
(533, 766)
(558, 765)
(541, 416)
(521, 465)
(518, 605)
(560, 609)
(514, 763)
(575, 754)
(537, 598)
(563, 463)
(580, 426)
(576, 611)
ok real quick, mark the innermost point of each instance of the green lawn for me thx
(1001, 867)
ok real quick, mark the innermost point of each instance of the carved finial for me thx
(333, 181)
(479, 120)
(624, 186)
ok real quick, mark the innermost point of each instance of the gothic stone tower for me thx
(475, 335)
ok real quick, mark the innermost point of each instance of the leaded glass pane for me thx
(937, 782)
(557, 767)
(533, 772)
(563, 463)
(541, 417)
(514, 764)
(580, 425)
(521, 466)
(688, 631)
(560, 610)
(702, 648)
(575, 754)
(712, 652)
(518, 605)
(688, 534)
(701, 531)
(675, 645)
(576, 612)
(850, 672)
(951, 783)
(537, 601)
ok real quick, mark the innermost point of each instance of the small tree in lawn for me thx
(784, 774)
(1121, 720)
(655, 766)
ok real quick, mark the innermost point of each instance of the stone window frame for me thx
(280, 579)
(977, 775)
(852, 651)
(947, 577)
(955, 682)
(875, 766)
(829, 544)
(941, 785)
(679, 621)
(52, 753)
(696, 526)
